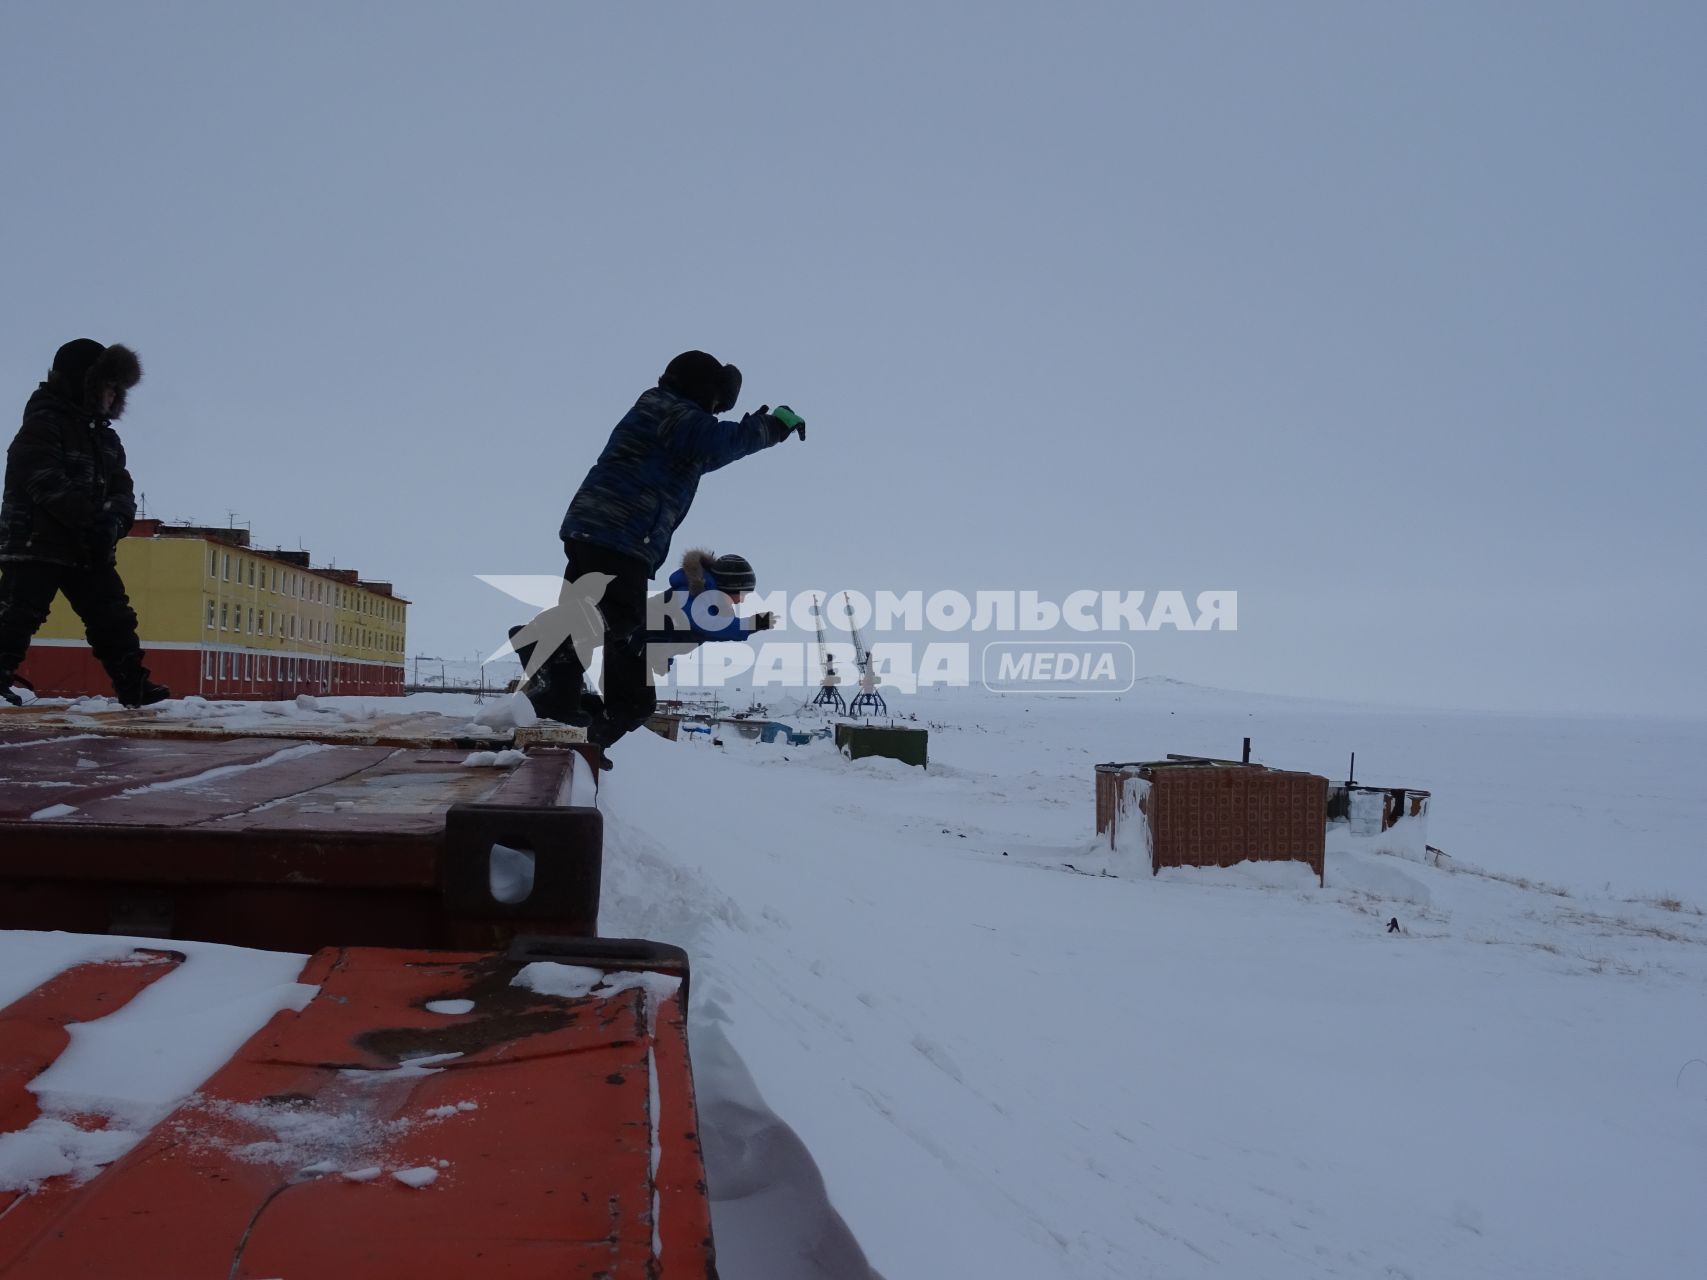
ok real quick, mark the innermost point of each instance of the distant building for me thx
(222, 619)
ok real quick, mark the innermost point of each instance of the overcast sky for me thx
(1390, 317)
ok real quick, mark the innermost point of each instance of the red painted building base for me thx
(70, 671)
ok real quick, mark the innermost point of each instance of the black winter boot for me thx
(7, 680)
(555, 697)
(143, 693)
(524, 653)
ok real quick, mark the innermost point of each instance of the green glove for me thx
(790, 419)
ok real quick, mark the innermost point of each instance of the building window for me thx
(210, 615)
(225, 566)
(224, 617)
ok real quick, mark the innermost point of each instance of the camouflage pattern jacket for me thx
(641, 487)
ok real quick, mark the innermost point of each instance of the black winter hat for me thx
(71, 362)
(733, 573)
(713, 386)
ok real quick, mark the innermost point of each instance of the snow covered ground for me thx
(1004, 1062)
(940, 1030)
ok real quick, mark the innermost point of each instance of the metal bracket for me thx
(567, 845)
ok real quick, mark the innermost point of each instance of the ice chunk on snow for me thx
(53, 811)
(583, 788)
(573, 981)
(420, 1176)
(366, 1174)
(568, 981)
(426, 1065)
(509, 873)
(154, 1051)
(137, 1063)
(450, 1007)
(514, 712)
(493, 759)
(52, 1148)
(227, 770)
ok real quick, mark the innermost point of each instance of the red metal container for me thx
(1203, 813)
(286, 845)
(532, 1136)
(523, 1130)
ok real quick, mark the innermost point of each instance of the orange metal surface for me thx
(32, 1029)
(534, 1114)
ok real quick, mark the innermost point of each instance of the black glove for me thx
(764, 621)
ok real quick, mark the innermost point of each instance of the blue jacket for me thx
(686, 594)
(641, 487)
(665, 643)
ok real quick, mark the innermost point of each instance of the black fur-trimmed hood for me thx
(83, 367)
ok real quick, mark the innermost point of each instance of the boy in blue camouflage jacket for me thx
(620, 523)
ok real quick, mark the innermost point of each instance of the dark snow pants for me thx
(629, 699)
(27, 589)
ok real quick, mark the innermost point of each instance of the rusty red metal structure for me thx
(287, 846)
(1215, 813)
(552, 1135)
(557, 1136)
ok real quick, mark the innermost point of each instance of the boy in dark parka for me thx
(622, 518)
(68, 499)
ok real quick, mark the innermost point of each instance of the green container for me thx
(906, 745)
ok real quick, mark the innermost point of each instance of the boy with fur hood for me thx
(700, 606)
(68, 499)
(619, 526)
